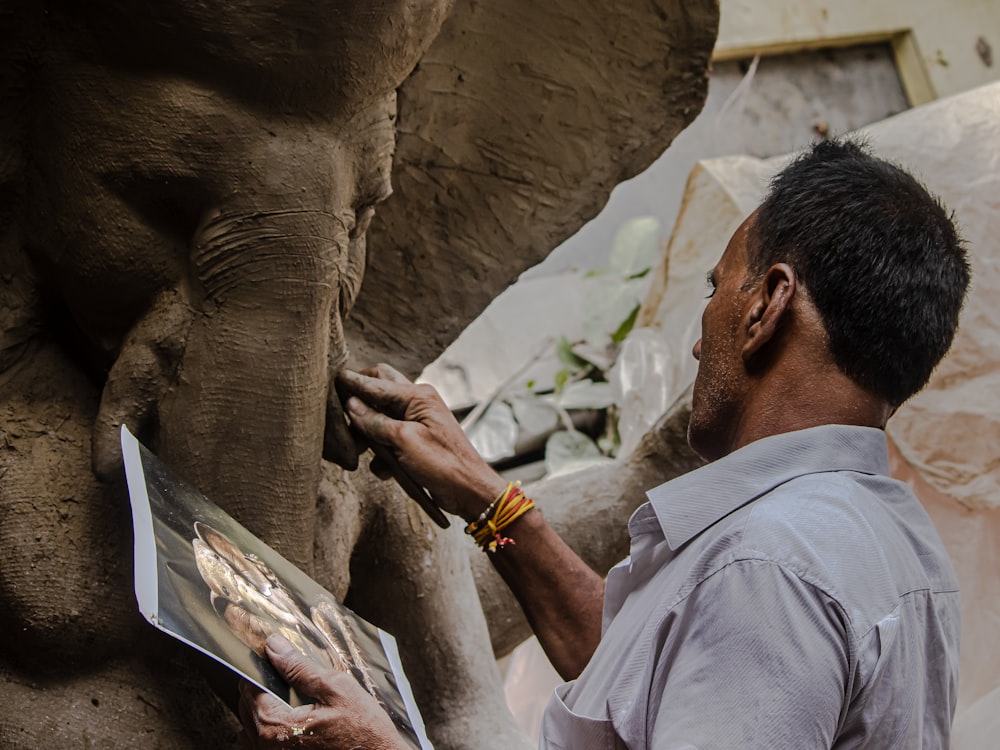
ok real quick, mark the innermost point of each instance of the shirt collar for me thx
(692, 502)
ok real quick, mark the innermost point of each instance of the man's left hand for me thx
(344, 716)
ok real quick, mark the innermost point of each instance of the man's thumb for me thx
(300, 671)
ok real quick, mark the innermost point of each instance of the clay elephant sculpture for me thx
(185, 191)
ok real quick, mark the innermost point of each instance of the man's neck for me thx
(799, 403)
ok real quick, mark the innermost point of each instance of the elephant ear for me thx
(511, 133)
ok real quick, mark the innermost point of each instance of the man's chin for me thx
(702, 441)
(694, 439)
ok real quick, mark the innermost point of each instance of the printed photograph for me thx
(223, 591)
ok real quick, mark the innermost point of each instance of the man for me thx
(788, 594)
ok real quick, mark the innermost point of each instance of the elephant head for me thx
(185, 189)
(203, 179)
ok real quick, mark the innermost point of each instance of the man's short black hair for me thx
(879, 256)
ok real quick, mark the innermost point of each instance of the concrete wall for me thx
(942, 48)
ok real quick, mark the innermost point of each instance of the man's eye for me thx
(711, 286)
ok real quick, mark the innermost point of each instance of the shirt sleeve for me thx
(753, 657)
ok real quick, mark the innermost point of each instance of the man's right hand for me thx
(560, 595)
(414, 423)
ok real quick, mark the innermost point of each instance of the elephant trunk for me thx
(244, 408)
(245, 421)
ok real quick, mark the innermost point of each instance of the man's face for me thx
(720, 387)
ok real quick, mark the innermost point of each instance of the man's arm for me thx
(561, 597)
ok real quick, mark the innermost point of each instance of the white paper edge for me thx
(142, 527)
(412, 712)
(146, 578)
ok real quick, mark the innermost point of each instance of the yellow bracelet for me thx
(510, 505)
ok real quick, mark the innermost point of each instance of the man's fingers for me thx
(384, 394)
(268, 722)
(387, 372)
(259, 710)
(374, 425)
(301, 672)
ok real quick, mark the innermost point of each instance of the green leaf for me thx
(561, 377)
(495, 434)
(610, 441)
(535, 415)
(586, 394)
(613, 303)
(609, 444)
(530, 384)
(626, 326)
(566, 355)
(566, 452)
(636, 245)
(594, 354)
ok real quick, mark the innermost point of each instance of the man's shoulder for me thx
(840, 510)
(863, 540)
(828, 509)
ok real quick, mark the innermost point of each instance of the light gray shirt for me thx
(789, 595)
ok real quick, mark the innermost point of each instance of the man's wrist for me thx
(486, 492)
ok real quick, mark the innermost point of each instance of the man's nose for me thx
(696, 351)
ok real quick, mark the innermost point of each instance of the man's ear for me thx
(771, 302)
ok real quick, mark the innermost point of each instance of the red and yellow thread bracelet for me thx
(510, 505)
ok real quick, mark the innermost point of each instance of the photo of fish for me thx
(209, 582)
(255, 604)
